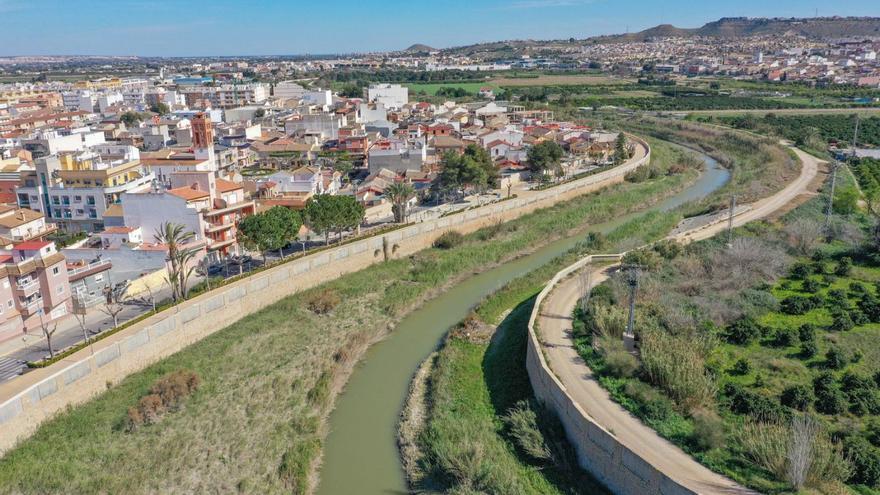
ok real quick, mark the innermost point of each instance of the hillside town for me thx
(91, 171)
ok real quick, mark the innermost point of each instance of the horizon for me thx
(273, 28)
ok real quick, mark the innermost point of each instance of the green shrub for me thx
(835, 358)
(709, 430)
(523, 426)
(449, 240)
(807, 332)
(741, 367)
(861, 392)
(809, 349)
(829, 398)
(652, 404)
(801, 270)
(742, 401)
(811, 285)
(844, 267)
(743, 331)
(797, 305)
(621, 364)
(797, 397)
(865, 461)
(785, 337)
(841, 322)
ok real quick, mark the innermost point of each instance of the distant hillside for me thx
(419, 48)
(737, 27)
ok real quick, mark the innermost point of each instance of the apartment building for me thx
(34, 288)
(205, 205)
(74, 190)
(226, 95)
(393, 96)
(22, 225)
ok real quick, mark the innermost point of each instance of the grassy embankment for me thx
(477, 383)
(268, 381)
(483, 431)
(738, 341)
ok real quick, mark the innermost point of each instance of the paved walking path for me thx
(554, 322)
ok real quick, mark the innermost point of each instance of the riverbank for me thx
(270, 379)
(481, 428)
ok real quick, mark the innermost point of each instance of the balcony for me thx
(31, 308)
(28, 287)
(213, 228)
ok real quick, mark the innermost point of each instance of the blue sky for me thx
(245, 27)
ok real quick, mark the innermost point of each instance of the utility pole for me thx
(829, 209)
(632, 280)
(730, 215)
(855, 137)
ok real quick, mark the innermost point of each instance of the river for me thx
(360, 454)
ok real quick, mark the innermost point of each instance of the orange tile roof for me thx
(224, 185)
(188, 193)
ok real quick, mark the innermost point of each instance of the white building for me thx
(393, 96)
(289, 90)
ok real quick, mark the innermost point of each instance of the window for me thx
(60, 289)
(55, 200)
(99, 277)
(9, 303)
(55, 270)
(78, 199)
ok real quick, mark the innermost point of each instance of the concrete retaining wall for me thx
(28, 400)
(617, 467)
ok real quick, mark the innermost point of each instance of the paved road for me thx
(554, 321)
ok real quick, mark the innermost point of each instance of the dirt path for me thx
(554, 322)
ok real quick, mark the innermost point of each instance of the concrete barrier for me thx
(620, 469)
(27, 401)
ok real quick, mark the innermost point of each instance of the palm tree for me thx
(399, 194)
(180, 257)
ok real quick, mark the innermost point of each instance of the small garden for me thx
(757, 358)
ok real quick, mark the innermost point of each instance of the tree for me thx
(344, 167)
(325, 214)
(131, 119)
(481, 156)
(180, 257)
(48, 332)
(621, 149)
(544, 156)
(160, 108)
(399, 194)
(260, 113)
(270, 230)
(459, 172)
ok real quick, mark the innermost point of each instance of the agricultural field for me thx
(560, 80)
(744, 348)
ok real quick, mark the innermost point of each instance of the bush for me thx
(797, 305)
(837, 300)
(742, 401)
(835, 358)
(801, 270)
(797, 397)
(810, 285)
(809, 349)
(668, 249)
(743, 331)
(865, 461)
(677, 364)
(709, 431)
(166, 394)
(844, 267)
(861, 392)
(829, 398)
(785, 337)
(323, 302)
(449, 240)
(870, 307)
(523, 424)
(741, 367)
(652, 404)
(621, 364)
(842, 322)
(807, 332)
